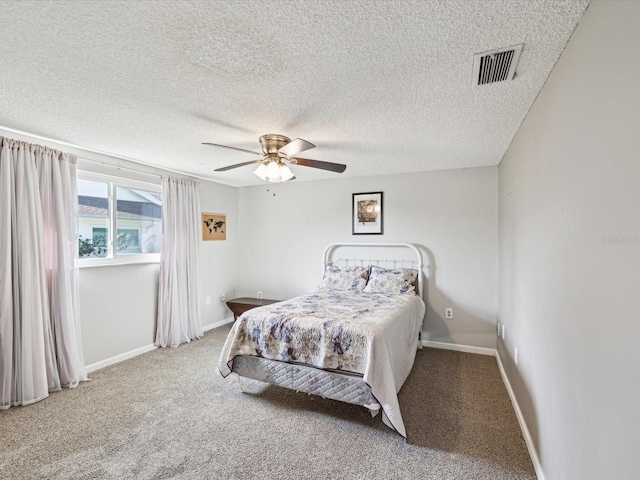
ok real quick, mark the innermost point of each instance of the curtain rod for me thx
(100, 152)
(119, 167)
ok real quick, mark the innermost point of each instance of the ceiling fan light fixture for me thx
(285, 173)
(261, 172)
(273, 170)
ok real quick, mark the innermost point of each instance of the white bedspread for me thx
(371, 334)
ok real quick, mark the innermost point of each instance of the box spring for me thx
(345, 387)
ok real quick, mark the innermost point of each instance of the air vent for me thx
(495, 66)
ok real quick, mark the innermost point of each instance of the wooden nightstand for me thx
(240, 305)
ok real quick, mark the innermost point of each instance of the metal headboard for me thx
(411, 246)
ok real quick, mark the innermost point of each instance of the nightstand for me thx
(240, 305)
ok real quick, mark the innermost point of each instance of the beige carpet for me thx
(168, 414)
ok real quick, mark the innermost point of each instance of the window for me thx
(118, 220)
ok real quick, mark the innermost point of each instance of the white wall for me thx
(452, 214)
(118, 306)
(569, 297)
(218, 264)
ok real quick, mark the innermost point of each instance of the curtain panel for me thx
(40, 339)
(179, 316)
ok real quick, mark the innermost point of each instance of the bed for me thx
(353, 340)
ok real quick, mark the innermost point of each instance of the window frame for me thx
(112, 258)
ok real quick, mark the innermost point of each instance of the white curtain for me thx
(40, 341)
(179, 318)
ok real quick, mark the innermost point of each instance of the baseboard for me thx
(459, 348)
(119, 358)
(139, 351)
(224, 321)
(523, 425)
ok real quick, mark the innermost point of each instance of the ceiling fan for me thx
(277, 152)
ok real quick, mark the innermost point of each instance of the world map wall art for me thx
(214, 226)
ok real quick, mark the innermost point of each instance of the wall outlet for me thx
(259, 295)
(498, 329)
(448, 313)
(503, 331)
(223, 297)
(207, 300)
(515, 355)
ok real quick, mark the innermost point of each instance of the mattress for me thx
(373, 335)
(349, 388)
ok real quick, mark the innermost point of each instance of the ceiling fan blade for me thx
(224, 169)
(232, 148)
(307, 162)
(296, 146)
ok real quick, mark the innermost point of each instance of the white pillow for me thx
(345, 278)
(398, 281)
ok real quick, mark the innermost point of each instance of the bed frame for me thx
(349, 388)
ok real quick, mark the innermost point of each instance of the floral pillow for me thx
(398, 281)
(345, 278)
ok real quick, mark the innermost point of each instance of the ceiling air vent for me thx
(495, 66)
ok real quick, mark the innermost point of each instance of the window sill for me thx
(112, 262)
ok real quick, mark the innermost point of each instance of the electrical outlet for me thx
(259, 295)
(498, 329)
(503, 331)
(448, 313)
(207, 300)
(223, 297)
(515, 355)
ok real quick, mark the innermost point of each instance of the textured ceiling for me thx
(382, 86)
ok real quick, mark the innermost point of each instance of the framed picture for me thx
(367, 214)
(214, 226)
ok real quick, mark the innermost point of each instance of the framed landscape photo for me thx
(367, 214)
(214, 226)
